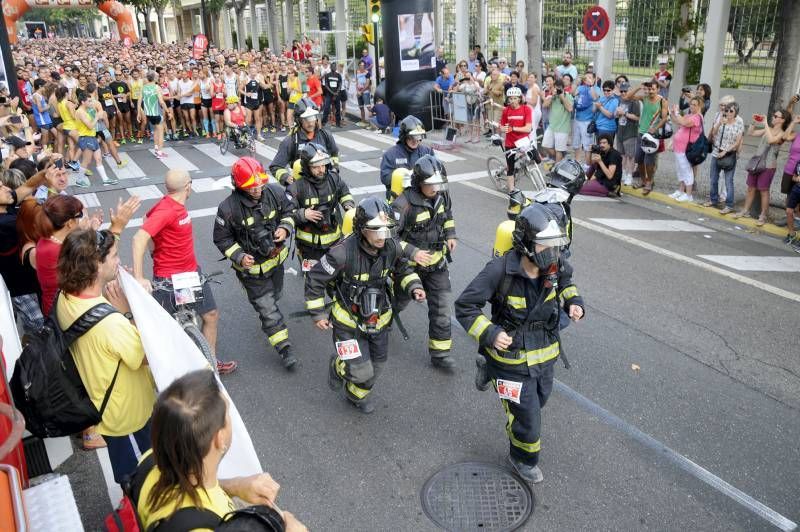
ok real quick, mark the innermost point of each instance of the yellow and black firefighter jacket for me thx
(527, 309)
(324, 196)
(247, 226)
(425, 224)
(355, 274)
(290, 147)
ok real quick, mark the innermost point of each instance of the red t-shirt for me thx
(170, 226)
(47, 271)
(218, 96)
(314, 86)
(516, 118)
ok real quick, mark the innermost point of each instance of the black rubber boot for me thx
(290, 361)
(482, 379)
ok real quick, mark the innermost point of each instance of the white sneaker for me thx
(684, 198)
(675, 195)
(627, 180)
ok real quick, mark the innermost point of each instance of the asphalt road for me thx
(700, 356)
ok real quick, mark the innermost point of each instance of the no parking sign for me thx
(595, 24)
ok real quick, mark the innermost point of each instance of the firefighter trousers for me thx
(522, 397)
(438, 293)
(358, 375)
(263, 292)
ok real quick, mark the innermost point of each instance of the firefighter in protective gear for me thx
(251, 229)
(425, 220)
(520, 343)
(406, 152)
(317, 196)
(307, 128)
(361, 268)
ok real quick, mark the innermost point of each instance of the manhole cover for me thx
(477, 496)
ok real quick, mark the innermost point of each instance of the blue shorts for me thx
(88, 143)
(793, 198)
(124, 452)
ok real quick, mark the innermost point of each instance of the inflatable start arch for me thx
(14, 9)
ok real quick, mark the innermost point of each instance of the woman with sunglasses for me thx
(726, 138)
(194, 411)
(761, 177)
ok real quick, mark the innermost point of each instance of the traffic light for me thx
(366, 32)
(375, 10)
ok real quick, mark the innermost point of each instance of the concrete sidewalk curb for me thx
(749, 223)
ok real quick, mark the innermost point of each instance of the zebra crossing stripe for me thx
(749, 263)
(625, 224)
(175, 161)
(130, 171)
(374, 135)
(447, 157)
(265, 151)
(146, 192)
(89, 200)
(353, 144)
(212, 151)
(358, 166)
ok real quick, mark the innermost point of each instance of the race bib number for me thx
(252, 95)
(333, 83)
(185, 287)
(109, 102)
(121, 97)
(348, 349)
(509, 390)
(284, 84)
(307, 264)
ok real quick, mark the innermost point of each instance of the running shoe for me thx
(73, 165)
(139, 140)
(111, 181)
(122, 163)
(273, 129)
(83, 182)
(224, 368)
(122, 141)
(131, 140)
(160, 154)
(88, 173)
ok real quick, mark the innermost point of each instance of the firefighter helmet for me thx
(428, 170)
(410, 126)
(537, 225)
(374, 214)
(305, 109)
(247, 173)
(567, 174)
(312, 154)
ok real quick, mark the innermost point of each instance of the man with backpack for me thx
(109, 356)
(520, 343)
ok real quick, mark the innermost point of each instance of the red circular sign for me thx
(595, 24)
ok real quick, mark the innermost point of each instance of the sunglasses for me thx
(777, 115)
(606, 90)
(730, 110)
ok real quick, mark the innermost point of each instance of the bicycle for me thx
(187, 289)
(245, 140)
(526, 165)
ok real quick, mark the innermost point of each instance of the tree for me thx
(533, 37)
(562, 19)
(751, 23)
(159, 6)
(62, 19)
(647, 18)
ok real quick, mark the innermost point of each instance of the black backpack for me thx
(46, 386)
(259, 518)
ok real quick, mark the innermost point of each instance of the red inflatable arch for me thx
(14, 9)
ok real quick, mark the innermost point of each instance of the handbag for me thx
(758, 162)
(697, 151)
(592, 127)
(727, 161)
(665, 131)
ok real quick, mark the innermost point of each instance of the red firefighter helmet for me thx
(248, 173)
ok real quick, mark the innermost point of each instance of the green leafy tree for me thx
(751, 23)
(562, 19)
(646, 18)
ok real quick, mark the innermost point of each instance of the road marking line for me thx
(791, 296)
(756, 264)
(374, 135)
(697, 471)
(174, 160)
(265, 151)
(447, 157)
(130, 171)
(146, 192)
(205, 184)
(89, 200)
(630, 224)
(212, 151)
(353, 144)
(358, 166)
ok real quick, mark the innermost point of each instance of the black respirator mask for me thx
(545, 259)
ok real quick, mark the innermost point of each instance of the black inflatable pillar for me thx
(409, 57)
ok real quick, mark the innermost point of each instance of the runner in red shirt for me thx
(218, 103)
(169, 227)
(516, 122)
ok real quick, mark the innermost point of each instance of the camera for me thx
(324, 223)
(686, 90)
(596, 149)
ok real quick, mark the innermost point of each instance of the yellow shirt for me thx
(136, 89)
(66, 115)
(214, 499)
(295, 94)
(96, 354)
(83, 129)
